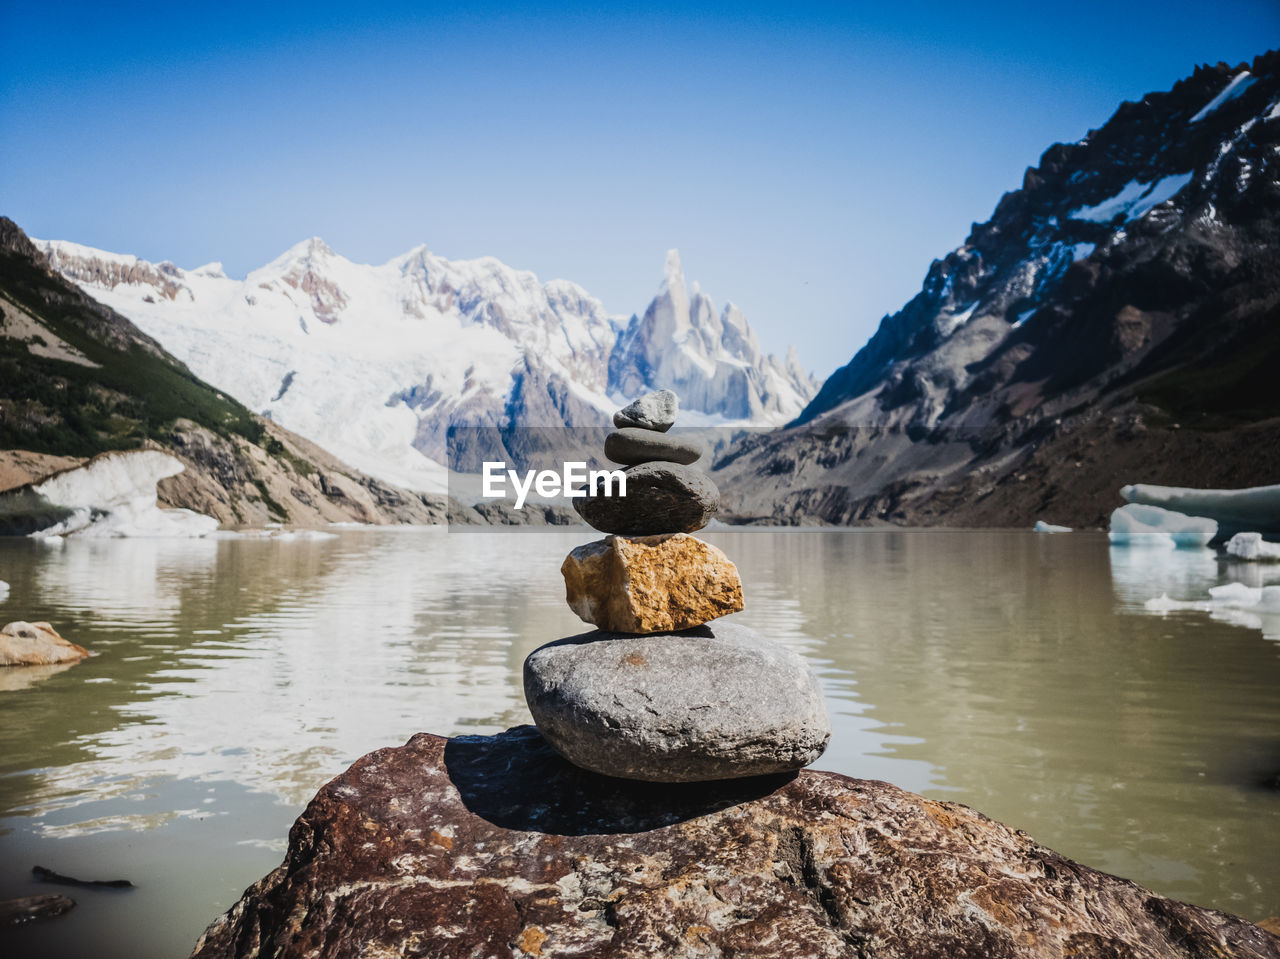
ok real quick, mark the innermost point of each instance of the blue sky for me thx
(807, 160)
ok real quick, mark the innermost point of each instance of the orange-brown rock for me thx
(495, 846)
(650, 584)
(36, 644)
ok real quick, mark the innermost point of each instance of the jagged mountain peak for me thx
(711, 357)
(673, 269)
(309, 254)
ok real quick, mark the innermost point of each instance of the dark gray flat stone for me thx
(632, 446)
(715, 702)
(661, 498)
(653, 411)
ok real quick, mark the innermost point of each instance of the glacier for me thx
(376, 363)
(1136, 524)
(113, 495)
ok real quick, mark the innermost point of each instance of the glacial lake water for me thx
(1015, 672)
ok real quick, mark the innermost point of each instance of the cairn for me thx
(659, 691)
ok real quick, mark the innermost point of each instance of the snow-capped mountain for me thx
(78, 380)
(1133, 279)
(713, 362)
(375, 363)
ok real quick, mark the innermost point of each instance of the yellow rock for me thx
(36, 644)
(650, 584)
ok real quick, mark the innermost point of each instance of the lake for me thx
(1015, 672)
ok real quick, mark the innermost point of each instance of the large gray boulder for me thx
(718, 701)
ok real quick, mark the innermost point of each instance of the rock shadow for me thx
(515, 780)
(705, 631)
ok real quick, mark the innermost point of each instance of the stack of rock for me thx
(658, 692)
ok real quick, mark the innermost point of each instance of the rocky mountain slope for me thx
(78, 379)
(376, 363)
(1115, 320)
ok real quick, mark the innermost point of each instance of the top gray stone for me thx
(653, 411)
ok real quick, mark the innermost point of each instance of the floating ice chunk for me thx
(1163, 604)
(1135, 524)
(4, 590)
(1235, 603)
(1043, 527)
(1253, 547)
(1253, 508)
(114, 494)
(1262, 599)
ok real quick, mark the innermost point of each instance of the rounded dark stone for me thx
(632, 446)
(661, 498)
(718, 701)
(653, 411)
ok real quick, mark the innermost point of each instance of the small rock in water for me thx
(36, 644)
(653, 411)
(651, 584)
(632, 446)
(661, 498)
(715, 702)
(15, 912)
(48, 875)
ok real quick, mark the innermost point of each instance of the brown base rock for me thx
(650, 584)
(495, 846)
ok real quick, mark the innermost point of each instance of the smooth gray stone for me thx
(661, 498)
(714, 702)
(632, 446)
(653, 411)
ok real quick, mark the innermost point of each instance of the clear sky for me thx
(807, 160)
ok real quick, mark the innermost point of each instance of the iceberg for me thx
(1236, 510)
(1043, 527)
(112, 495)
(1252, 546)
(1252, 606)
(1135, 524)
